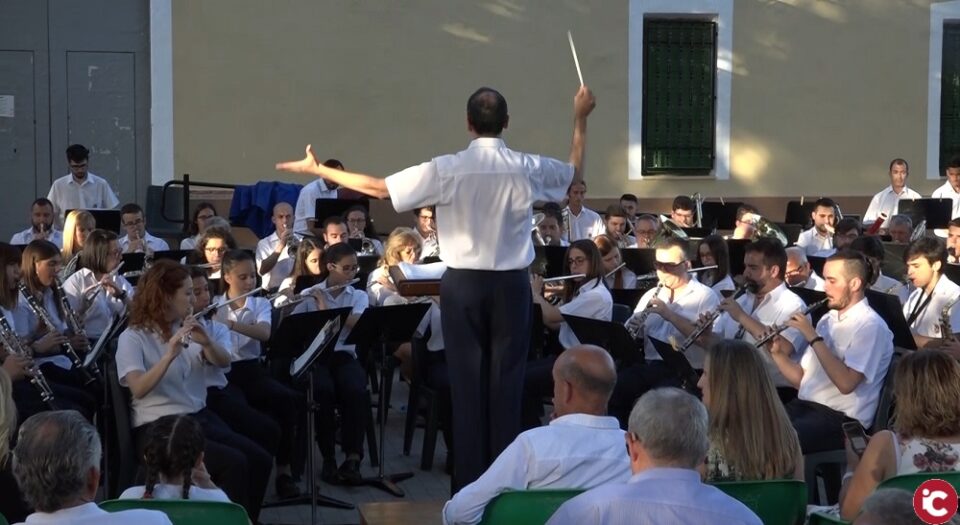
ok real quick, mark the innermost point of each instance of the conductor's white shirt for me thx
(887, 202)
(466, 186)
(927, 322)
(587, 225)
(307, 203)
(689, 302)
(593, 301)
(813, 243)
(947, 192)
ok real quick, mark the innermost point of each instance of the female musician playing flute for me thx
(610, 259)
(713, 250)
(210, 249)
(162, 357)
(249, 321)
(95, 293)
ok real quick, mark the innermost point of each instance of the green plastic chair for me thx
(907, 482)
(775, 502)
(185, 512)
(3, 521)
(530, 507)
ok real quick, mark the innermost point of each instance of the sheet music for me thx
(101, 343)
(423, 271)
(326, 334)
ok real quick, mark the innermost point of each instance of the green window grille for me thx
(679, 96)
(950, 95)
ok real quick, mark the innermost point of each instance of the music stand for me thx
(612, 337)
(809, 297)
(380, 326)
(720, 215)
(551, 260)
(639, 260)
(697, 233)
(800, 213)
(367, 264)
(627, 297)
(817, 263)
(889, 308)
(737, 249)
(105, 219)
(952, 272)
(677, 362)
(293, 334)
(893, 264)
(937, 212)
(326, 208)
(791, 231)
(133, 262)
(173, 255)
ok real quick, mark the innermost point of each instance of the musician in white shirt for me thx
(274, 261)
(953, 241)
(334, 231)
(198, 224)
(843, 367)
(581, 448)
(615, 226)
(94, 292)
(426, 228)
(713, 250)
(819, 237)
(683, 212)
(138, 239)
(799, 271)
(951, 188)
(932, 293)
(646, 230)
(551, 226)
(41, 225)
(615, 274)
(901, 227)
(887, 202)
(582, 222)
(677, 294)
(357, 227)
(80, 189)
(305, 217)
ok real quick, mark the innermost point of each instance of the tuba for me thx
(764, 228)
(668, 229)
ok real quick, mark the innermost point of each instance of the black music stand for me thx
(697, 233)
(889, 308)
(937, 212)
(737, 249)
(952, 272)
(320, 329)
(379, 326)
(791, 231)
(809, 297)
(326, 208)
(677, 361)
(133, 262)
(612, 337)
(639, 260)
(627, 296)
(105, 219)
(720, 215)
(367, 264)
(817, 263)
(173, 255)
(893, 264)
(550, 260)
(801, 214)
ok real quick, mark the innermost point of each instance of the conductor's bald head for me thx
(487, 112)
(583, 379)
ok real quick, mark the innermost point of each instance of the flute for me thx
(215, 307)
(653, 275)
(778, 329)
(319, 288)
(565, 277)
(615, 270)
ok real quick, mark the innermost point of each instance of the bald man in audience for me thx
(581, 448)
(799, 273)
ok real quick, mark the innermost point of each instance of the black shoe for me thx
(350, 472)
(286, 487)
(328, 474)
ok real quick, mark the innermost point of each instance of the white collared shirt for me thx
(94, 194)
(813, 243)
(888, 202)
(863, 342)
(692, 299)
(165, 491)
(377, 292)
(220, 334)
(774, 309)
(255, 310)
(885, 283)
(307, 203)
(350, 297)
(429, 246)
(28, 235)
(814, 282)
(284, 266)
(927, 323)
(629, 279)
(91, 514)
(465, 186)
(575, 451)
(725, 284)
(947, 192)
(189, 243)
(28, 326)
(593, 301)
(587, 225)
(104, 306)
(155, 244)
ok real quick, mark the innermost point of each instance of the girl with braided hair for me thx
(173, 459)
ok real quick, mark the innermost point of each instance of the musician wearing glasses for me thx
(358, 226)
(274, 260)
(215, 242)
(901, 227)
(80, 189)
(646, 230)
(615, 226)
(800, 273)
(137, 238)
(887, 202)
(713, 251)
(677, 294)
(933, 295)
(615, 275)
(819, 238)
(582, 222)
(745, 225)
(551, 227)
(426, 228)
(95, 292)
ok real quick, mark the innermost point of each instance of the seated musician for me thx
(679, 293)
(306, 212)
(582, 297)
(581, 448)
(630, 205)
(932, 292)
(342, 380)
(359, 227)
(951, 188)
(683, 212)
(94, 292)
(274, 261)
(249, 322)
(551, 227)
(953, 241)
(137, 239)
(872, 248)
(615, 226)
(582, 222)
(819, 237)
(167, 378)
(198, 224)
(745, 226)
(402, 246)
(309, 261)
(646, 230)
(610, 260)
(334, 231)
(799, 271)
(713, 250)
(215, 242)
(76, 229)
(41, 225)
(887, 201)
(847, 230)
(901, 227)
(426, 228)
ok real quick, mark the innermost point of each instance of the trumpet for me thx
(778, 329)
(45, 318)
(707, 321)
(14, 346)
(635, 324)
(946, 330)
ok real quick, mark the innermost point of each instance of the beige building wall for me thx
(824, 93)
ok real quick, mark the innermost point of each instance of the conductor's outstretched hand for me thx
(583, 102)
(307, 164)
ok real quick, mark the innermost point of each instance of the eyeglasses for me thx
(348, 267)
(668, 267)
(576, 261)
(220, 249)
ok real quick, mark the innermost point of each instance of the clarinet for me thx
(712, 316)
(778, 329)
(946, 331)
(72, 319)
(14, 346)
(44, 317)
(635, 325)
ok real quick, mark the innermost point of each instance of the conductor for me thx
(483, 197)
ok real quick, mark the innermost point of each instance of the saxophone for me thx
(946, 331)
(14, 346)
(44, 317)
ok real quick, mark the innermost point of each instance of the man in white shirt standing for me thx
(582, 222)
(799, 271)
(819, 238)
(138, 239)
(41, 225)
(484, 197)
(305, 217)
(80, 189)
(887, 202)
(932, 292)
(581, 448)
(274, 262)
(951, 188)
(57, 466)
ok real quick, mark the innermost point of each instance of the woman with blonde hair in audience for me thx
(925, 435)
(751, 437)
(403, 245)
(610, 259)
(76, 229)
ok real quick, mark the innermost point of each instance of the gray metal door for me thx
(18, 144)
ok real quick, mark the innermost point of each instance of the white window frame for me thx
(161, 91)
(939, 14)
(719, 11)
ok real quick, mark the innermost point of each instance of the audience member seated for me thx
(713, 250)
(137, 238)
(57, 465)
(646, 230)
(41, 225)
(926, 429)
(610, 259)
(751, 437)
(360, 227)
(615, 226)
(901, 227)
(198, 224)
(667, 440)
(582, 222)
(173, 460)
(80, 189)
(683, 212)
(551, 226)
(745, 226)
(12, 506)
(305, 216)
(819, 238)
(581, 448)
(76, 229)
(892, 507)
(799, 273)
(274, 260)
(887, 201)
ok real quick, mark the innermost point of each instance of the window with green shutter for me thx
(679, 96)
(950, 95)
